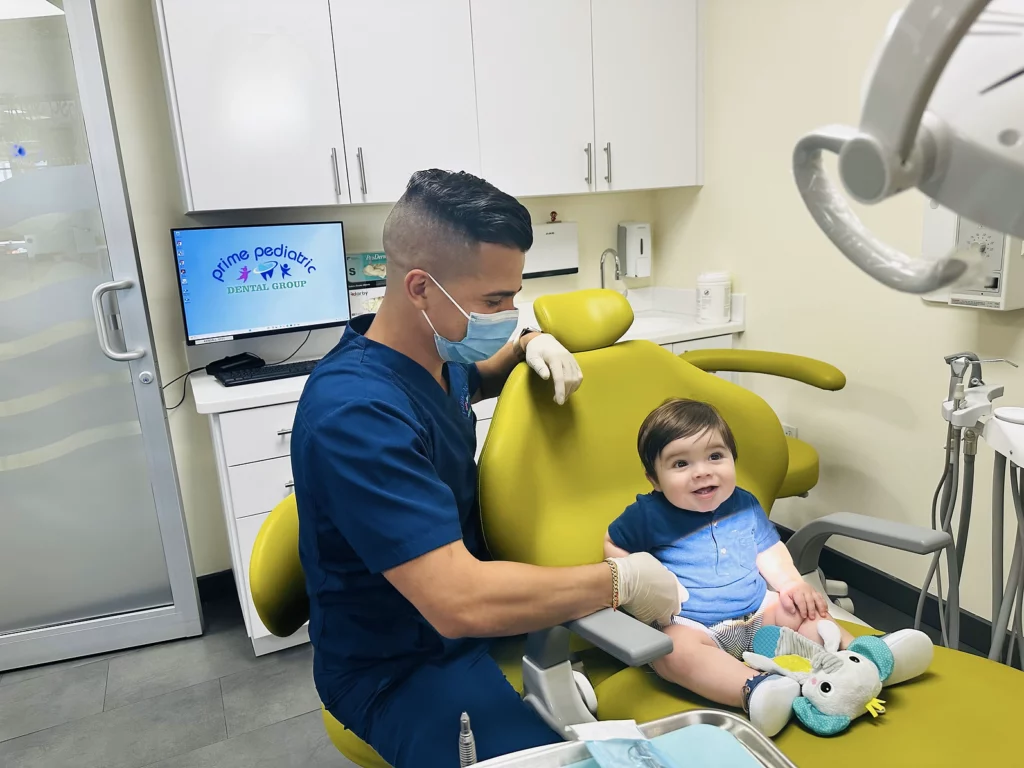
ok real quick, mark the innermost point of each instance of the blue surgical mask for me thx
(485, 334)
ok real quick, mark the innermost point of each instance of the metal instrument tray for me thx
(760, 747)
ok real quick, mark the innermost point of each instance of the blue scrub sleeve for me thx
(630, 530)
(765, 534)
(373, 478)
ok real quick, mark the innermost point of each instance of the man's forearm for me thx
(495, 371)
(508, 598)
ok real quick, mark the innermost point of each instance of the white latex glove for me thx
(552, 361)
(648, 590)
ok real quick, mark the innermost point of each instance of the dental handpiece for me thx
(467, 744)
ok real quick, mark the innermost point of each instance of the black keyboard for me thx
(266, 373)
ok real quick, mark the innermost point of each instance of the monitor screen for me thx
(236, 282)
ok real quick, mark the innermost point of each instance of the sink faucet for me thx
(615, 256)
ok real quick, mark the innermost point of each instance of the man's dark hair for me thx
(442, 218)
(675, 419)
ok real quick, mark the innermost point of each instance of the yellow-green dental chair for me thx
(553, 477)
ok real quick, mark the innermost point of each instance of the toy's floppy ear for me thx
(818, 721)
(877, 652)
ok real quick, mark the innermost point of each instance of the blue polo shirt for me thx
(383, 461)
(713, 554)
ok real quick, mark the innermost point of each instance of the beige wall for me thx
(136, 86)
(774, 71)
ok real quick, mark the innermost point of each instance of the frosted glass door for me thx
(79, 534)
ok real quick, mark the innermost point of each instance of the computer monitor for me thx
(238, 282)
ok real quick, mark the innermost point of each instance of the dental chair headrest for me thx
(584, 320)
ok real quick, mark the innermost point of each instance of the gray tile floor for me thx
(205, 702)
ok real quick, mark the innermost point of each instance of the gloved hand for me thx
(648, 590)
(552, 361)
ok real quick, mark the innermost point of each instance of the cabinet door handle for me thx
(608, 153)
(335, 171)
(590, 163)
(362, 170)
(283, 432)
(290, 484)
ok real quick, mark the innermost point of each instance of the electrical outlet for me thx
(790, 431)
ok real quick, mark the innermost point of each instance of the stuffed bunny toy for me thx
(837, 686)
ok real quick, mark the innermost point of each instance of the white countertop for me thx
(661, 315)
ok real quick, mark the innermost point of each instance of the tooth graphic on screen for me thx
(266, 269)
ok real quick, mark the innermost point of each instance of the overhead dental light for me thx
(27, 9)
(943, 111)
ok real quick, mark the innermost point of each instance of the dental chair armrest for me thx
(617, 634)
(816, 373)
(805, 544)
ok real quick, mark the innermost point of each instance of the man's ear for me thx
(416, 282)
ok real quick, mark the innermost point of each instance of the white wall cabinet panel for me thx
(255, 101)
(535, 94)
(405, 75)
(646, 97)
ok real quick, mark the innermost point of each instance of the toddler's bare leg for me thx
(775, 613)
(699, 665)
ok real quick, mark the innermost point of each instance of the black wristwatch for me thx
(517, 347)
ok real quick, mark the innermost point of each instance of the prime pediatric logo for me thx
(267, 261)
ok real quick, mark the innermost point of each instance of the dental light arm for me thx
(944, 112)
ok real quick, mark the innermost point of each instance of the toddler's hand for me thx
(800, 597)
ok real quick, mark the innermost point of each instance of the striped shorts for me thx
(734, 636)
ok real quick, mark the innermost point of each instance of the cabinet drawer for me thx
(258, 486)
(248, 528)
(258, 433)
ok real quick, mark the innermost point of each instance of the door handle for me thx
(283, 432)
(590, 164)
(362, 170)
(290, 484)
(101, 326)
(608, 152)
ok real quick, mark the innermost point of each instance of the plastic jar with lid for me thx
(714, 298)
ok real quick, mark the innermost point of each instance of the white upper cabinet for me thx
(535, 95)
(255, 102)
(405, 75)
(646, 93)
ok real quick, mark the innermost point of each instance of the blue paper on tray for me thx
(695, 746)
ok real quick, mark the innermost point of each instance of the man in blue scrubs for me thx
(401, 587)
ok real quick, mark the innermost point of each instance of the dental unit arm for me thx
(943, 111)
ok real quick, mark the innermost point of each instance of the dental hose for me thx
(998, 492)
(949, 485)
(943, 489)
(1014, 587)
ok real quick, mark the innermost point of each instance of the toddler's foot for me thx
(912, 652)
(768, 701)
